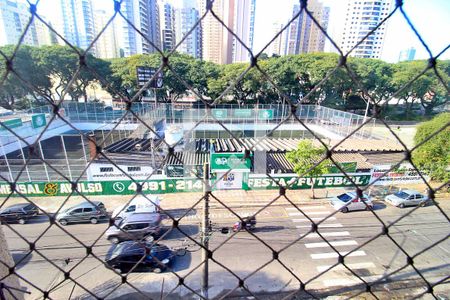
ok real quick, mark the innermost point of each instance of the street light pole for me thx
(205, 231)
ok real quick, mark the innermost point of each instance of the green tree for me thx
(433, 156)
(305, 157)
(14, 93)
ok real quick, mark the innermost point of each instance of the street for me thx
(247, 255)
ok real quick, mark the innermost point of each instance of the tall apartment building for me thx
(186, 17)
(303, 35)
(167, 18)
(217, 42)
(144, 15)
(244, 24)
(360, 18)
(407, 54)
(77, 22)
(106, 45)
(276, 47)
(14, 16)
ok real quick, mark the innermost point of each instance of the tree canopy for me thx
(49, 71)
(433, 156)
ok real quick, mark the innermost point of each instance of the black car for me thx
(124, 256)
(19, 213)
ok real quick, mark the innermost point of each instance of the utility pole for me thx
(205, 231)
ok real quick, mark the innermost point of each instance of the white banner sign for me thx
(404, 174)
(102, 172)
(231, 181)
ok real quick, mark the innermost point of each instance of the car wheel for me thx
(63, 222)
(114, 239)
(94, 220)
(21, 221)
(149, 238)
(344, 210)
(157, 270)
(401, 205)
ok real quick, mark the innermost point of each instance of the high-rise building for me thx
(407, 54)
(217, 42)
(186, 17)
(361, 17)
(303, 35)
(144, 15)
(77, 23)
(14, 16)
(106, 44)
(244, 24)
(275, 48)
(167, 19)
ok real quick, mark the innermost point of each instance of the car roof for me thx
(86, 204)
(410, 191)
(143, 217)
(19, 205)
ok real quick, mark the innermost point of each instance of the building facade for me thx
(360, 18)
(186, 17)
(303, 35)
(167, 18)
(144, 15)
(407, 54)
(244, 24)
(217, 42)
(14, 16)
(106, 45)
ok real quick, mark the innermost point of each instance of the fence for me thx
(274, 260)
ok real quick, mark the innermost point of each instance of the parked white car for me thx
(140, 204)
(406, 198)
(350, 201)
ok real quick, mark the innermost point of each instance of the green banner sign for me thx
(295, 183)
(38, 120)
(348, 167)
(93, 188)
(243, 113)
(11, 123)
(220, 113)
(265, 114)
(227, 161)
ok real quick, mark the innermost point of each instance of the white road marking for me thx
(334, 254)
(321, 226)
(334, 244)
(328, 234)
(355, 266)
(314, 219)
(305, 207)
(309, 213)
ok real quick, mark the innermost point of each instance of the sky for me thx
(430, 17)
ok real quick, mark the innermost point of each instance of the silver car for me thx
(83, 212)
(138, 226)
(350, 201)
(407, 198)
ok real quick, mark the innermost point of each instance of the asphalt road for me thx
(281, 229)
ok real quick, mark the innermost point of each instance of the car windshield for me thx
(402, 195)
(344, 197)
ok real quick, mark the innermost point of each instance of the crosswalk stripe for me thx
(334, 244)
(314, 219)
(321, 226)
(309, 213)
(355, 266)
(334, 254)
(305, 207)
(327, 234)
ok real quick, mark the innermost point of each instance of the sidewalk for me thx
(232, 198)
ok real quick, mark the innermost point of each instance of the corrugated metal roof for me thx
(354, 145)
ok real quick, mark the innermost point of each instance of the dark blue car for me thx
(126, 255)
